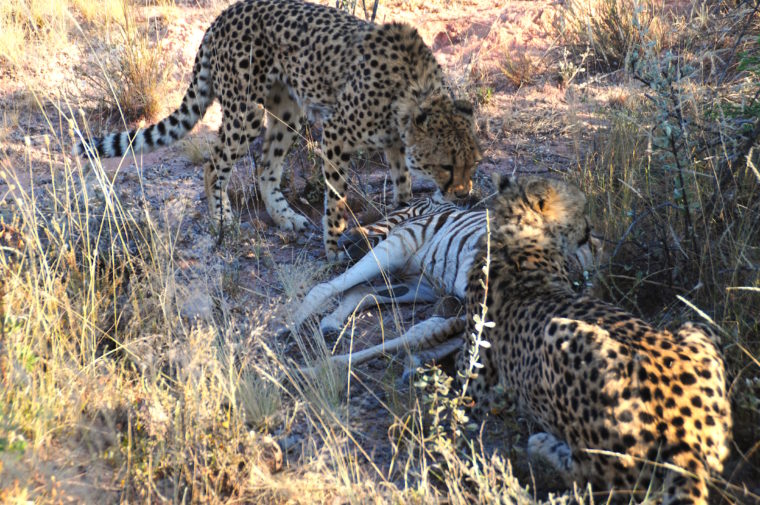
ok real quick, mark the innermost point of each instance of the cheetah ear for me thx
(463, 106)
(502, 182)
(543, 198)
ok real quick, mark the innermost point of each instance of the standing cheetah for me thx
(372, 87)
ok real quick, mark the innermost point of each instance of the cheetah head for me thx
(439, 135)
(541, 210)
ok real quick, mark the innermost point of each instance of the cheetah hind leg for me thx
(548, 448)
(216, 173)
(284, 119)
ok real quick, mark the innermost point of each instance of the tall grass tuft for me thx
(132, 74)
(607, 34)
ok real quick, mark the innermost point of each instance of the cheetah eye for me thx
(420, 119)
(463, 107)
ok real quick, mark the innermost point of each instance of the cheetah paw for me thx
(336, 256)
(552, 450)
(295, 223)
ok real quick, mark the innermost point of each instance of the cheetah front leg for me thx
(402, 179)
(219, 208)
(334, 170)
(284, 119)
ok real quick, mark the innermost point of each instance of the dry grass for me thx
(110, 393)
(104, 11)
(22, 21)
(139, 74)
(518, 68)
(127, 66)
(664, 175)
(41, 27)
(614, 31)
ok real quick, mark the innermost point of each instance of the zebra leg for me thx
(362, 296)
(388, 257)
(418, 336)
(437, 353)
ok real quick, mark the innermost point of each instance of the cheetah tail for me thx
(176, 125)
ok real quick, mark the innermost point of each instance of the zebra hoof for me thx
(410, 372)
(330, 333)
(330, 326)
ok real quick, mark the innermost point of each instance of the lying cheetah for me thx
(371, 86)
(612, 393)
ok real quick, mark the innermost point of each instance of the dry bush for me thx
(132, 75)
(518, 68)
(127, 68)
(610, 32)
(140, 75)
